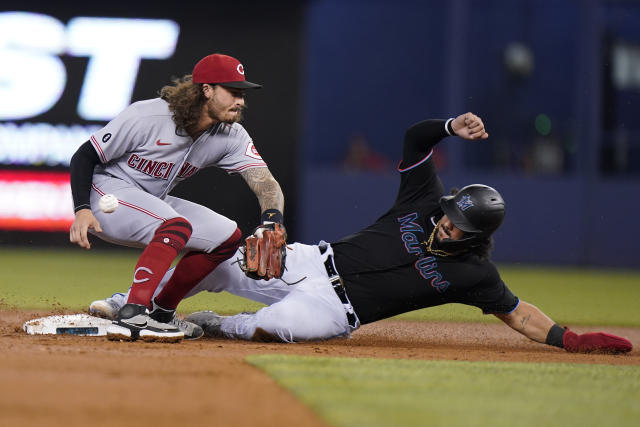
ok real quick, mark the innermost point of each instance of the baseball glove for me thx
(265, 252)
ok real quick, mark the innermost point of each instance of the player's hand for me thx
(469, 126)
(83, 222)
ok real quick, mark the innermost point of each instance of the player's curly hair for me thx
(185, 100)
(483, 249)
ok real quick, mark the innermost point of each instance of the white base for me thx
(69, 324)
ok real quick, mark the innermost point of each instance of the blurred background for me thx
(557, 84)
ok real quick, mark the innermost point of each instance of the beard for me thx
(225, 115)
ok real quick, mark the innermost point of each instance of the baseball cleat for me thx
(133, 322)
(108, 308)
(209, 321)
(191, 330)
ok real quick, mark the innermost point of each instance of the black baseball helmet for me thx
(477, 209)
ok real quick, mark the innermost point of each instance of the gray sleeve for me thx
(241, 153)
(119, 136)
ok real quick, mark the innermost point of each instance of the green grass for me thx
(72, 278)
(378, 392)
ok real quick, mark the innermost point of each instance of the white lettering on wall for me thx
(33, 78)
(114, 47)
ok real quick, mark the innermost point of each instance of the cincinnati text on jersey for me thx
(159, 169)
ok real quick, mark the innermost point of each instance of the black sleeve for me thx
(492, 295)
(420, 139)
(82, 164)
(419, 180)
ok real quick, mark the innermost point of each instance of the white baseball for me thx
(108, 203)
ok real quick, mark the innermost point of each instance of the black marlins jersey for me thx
(386, 268)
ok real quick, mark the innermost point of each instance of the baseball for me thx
(108, 203)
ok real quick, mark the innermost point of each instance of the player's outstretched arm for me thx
(264, 253)
(529, 321)
(469, 126)
(266, 189)
(534, 324)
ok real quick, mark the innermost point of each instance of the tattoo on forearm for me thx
(265, 187)
(524, 321)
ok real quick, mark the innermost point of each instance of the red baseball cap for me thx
(222, 70)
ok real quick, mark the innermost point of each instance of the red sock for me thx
(192, 268)
(170, 238)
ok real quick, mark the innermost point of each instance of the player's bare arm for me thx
(265, 187)
(529, 321)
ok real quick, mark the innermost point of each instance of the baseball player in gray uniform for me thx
(139, 157)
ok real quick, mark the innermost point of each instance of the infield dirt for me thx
(69, 381)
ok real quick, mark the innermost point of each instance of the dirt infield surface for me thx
(68, 381)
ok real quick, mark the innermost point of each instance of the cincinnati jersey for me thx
(142, 146)
(386, 268)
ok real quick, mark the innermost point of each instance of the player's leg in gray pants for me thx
(139, 214)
